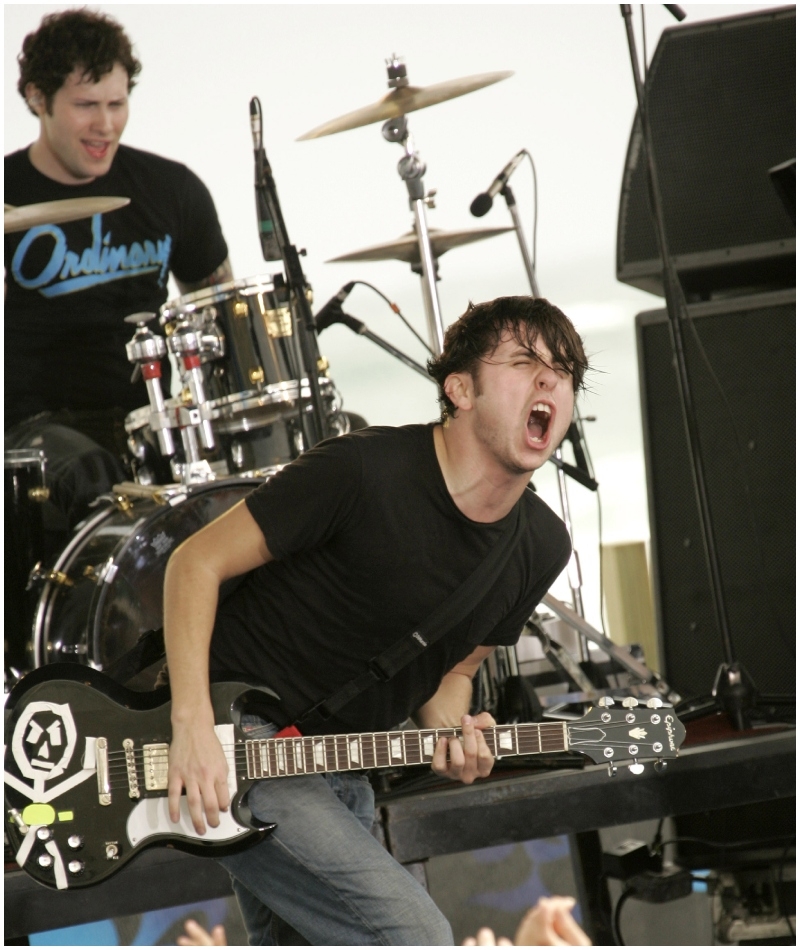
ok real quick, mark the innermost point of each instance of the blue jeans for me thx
(321, 878)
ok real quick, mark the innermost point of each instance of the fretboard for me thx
(272, 758)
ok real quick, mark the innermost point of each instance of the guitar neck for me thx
(273, 758)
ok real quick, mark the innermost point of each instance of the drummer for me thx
(69, 286)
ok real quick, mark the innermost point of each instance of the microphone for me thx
(270, 248)
(483, 202)
(332, 312)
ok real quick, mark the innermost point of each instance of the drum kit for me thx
(239, 413)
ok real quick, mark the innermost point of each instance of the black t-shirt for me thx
(70, 285)
(368, 541)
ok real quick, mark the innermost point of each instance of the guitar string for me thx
(411, 740)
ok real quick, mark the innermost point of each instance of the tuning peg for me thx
(605, 701)
(660, 765)
(612, 770)
(654, 703)
(630, 702)
(636, 767)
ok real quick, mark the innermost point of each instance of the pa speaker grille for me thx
(721, 105)
(748, 451)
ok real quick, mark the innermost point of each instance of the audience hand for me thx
(548, 924)
(197, 936)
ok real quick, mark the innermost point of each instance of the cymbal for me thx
(406, 248)
(403, 100)
(57, 212)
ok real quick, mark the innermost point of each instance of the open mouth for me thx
(97, 149)
(539, 422)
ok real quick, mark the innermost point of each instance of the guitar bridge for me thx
(156, 766)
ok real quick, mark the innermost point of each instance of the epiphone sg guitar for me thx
(86, 764)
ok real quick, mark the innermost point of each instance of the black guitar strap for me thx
(450, 612)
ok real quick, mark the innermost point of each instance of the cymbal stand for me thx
(511, 202)
(411, 169)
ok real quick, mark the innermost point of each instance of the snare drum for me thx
(106, 587)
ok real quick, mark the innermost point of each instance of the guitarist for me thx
(345, 551)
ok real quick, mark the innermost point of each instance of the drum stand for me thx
(411, 169)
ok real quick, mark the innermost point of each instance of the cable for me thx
(393, 306)
(535, 209)
(579, 424)
(615, 931)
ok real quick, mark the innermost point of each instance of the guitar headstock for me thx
(629, 730)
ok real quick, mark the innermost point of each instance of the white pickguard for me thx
(150, 816)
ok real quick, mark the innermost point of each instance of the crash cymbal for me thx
(57, 212)
(406, 248)
(403, 100)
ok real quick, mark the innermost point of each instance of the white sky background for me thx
(570, 103)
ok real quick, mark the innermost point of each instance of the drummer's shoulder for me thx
(141, 161)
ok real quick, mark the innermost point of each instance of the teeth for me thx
(541, 407)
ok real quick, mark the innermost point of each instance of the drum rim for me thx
(253, 285)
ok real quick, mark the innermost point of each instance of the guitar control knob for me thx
(76, 867)
(75, 842)
(44, 834)
(45, 861)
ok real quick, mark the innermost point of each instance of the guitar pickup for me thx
(156, 766)
(103, 778)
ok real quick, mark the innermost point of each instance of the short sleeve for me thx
(507, 632)
(200, 247)
(310, 500)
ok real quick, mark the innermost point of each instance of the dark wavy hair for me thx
(75, 38)
(477, 333)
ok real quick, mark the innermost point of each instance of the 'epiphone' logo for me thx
(668, 722)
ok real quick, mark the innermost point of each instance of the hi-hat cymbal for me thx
(57, 212)
(406, 248)
(403, 100)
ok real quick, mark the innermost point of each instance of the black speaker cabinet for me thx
(748, 450)
(721, 102)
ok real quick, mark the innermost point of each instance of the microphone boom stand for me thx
(511, 202)
(315, 428)
(733, 687)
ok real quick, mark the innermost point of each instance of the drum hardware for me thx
(39, 575)
(146, 350)
(57, 212)
(24, 494)
(393, 108)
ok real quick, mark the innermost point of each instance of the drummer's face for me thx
(80, 134)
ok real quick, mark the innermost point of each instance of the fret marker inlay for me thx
(355, 756)
(505, 740)
(428, 746)
(397, 748)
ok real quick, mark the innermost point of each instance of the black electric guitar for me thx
(86, 764)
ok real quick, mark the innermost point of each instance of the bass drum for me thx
(106, 587)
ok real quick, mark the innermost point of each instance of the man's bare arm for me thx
(449, 706)
(231, 545)
(222, 274)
